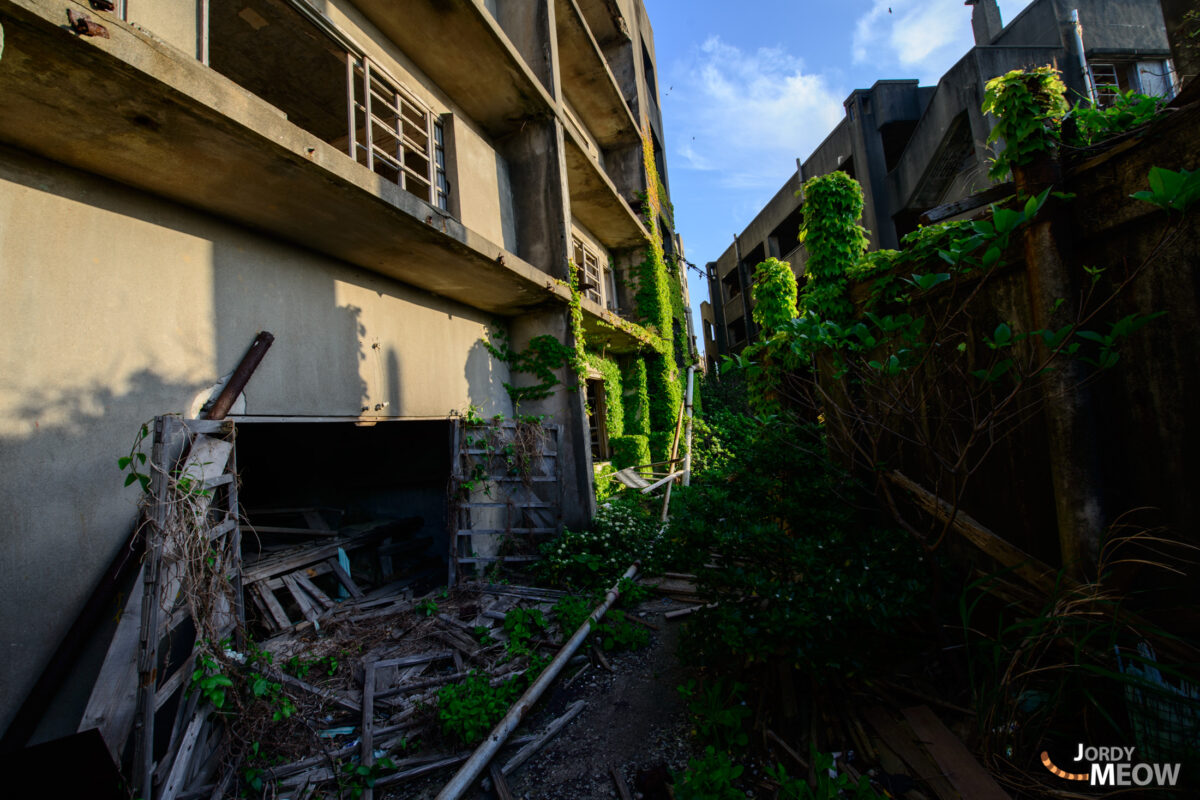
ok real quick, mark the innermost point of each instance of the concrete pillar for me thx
(985, 20)
(529, 25)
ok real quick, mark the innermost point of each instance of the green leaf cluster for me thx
(774, 295)
(540, 358)
(835, 242)
(629, 451)
(472, 707)
(1171, 191)
(1093, 124)
(1029, 106)
(614, 392)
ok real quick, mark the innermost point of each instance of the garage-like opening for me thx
(374, 496)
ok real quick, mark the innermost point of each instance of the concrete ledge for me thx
(137, 110)
(596, 201)
(589, 84)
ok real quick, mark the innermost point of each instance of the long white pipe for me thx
(1077, 34)
(470, 771)
(687, 456)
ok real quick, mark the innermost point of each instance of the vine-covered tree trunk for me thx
(1074, 464)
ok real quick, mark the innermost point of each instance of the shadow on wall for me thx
(65, 516)
(320, 355)
(485, 388)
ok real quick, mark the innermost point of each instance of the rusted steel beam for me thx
(241, 376)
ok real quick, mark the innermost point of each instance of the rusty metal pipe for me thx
(470, 771)
(241, 376)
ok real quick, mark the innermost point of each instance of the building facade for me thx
(380, 185)
(913, 148)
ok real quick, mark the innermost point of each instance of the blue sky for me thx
(748, 87)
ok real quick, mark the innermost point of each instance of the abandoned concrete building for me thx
(404, 194)
(913, 148)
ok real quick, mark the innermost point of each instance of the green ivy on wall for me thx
(614, 396)
(540, 358)
(636, 398)
(835, 242)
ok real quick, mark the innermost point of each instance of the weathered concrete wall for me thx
(124, 306)
(176, 22)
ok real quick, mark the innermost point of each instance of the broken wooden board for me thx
(898, 736)
(961, 768)
(113, 702)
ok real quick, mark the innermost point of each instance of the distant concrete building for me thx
(916, 147)
(377, 183)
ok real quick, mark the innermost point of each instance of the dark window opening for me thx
(787, 234)
(301, 482)
(737, 331)
(597, 428)
(733, 287)
(895, 136)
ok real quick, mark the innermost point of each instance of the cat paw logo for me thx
(1114, 766)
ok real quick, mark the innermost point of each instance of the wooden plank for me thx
(511, 504)
(619, 782)
(498, 531)
(367, 758)
(285, 529)
(214, 427)
(220, 480)
(344, 577)
(1026, 566)
(277, 613)
(220, 530)
(311, 588)
(310, 612)
(183, 758)
(113, 701)
(992, 195)
(498, 782)
(409, 661)
(172, 684)
(494, 559)
(315, 520)
(959, 766)
(315, 571)
(901, 739)
(295, 558)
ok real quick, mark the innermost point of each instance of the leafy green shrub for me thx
(606, 487)
(1029, 106)
(719, 713)
(774, 295)
(660, 444)
(629, 451)
(709, 778)
(1127, 111)
(835, 241)
(801, 575)
(840, 785)
(622, 532)
(472, 707)
(614, 632)
(521, 625)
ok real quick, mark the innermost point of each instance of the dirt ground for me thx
(633, 721)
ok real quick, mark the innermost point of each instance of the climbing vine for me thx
(540, 358)
(774, 295)
(835, 241)
(1029, 106)
(614, 405)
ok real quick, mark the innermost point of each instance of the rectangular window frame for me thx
(591, 273)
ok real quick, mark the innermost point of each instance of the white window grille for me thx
(590, 270)
(394, 134)
(1104, 78)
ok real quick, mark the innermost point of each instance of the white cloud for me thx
(746, 116)
(924, 37)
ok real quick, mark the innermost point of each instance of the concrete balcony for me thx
(463, 49)
(587, 82)
(596, 201)
(140, 112)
